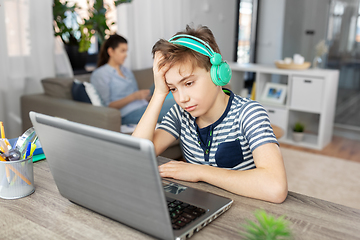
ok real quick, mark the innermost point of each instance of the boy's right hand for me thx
(159, 75)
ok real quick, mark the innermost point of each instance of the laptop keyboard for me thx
(182, 213)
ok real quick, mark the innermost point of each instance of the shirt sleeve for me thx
(256, 125)
(171, 122)
(101, 82)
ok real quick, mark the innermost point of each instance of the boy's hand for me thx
(159, 75)
(180, 170)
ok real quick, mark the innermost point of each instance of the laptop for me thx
(116, 175)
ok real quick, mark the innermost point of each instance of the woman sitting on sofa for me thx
(117, 85)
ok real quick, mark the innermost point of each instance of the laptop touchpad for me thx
(172, 187)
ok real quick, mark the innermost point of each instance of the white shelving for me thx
(310, 99)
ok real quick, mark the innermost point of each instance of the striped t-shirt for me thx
(243, 127)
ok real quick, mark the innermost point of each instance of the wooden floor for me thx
(339, 147)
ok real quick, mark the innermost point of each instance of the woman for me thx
(117, 85)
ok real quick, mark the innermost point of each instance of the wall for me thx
(301, 17)
(220, 17)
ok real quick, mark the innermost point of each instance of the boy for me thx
(220, 133)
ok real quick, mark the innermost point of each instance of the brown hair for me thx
(174, 53)
(112, 42)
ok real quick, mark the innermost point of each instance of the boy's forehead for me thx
(179, 71)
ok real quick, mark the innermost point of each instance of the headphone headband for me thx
(192, 42)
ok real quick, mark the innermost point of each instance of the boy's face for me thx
(193, 89)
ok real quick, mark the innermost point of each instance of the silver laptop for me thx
(117, 176)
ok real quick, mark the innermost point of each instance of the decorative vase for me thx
(298, 136)
(77, 59)
(317, 62)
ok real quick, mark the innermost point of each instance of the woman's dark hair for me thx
(112, 42)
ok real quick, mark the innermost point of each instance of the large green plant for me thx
(78, 31)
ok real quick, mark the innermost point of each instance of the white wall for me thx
(302, 16)
(220, 17)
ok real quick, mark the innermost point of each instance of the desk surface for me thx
(47, 215)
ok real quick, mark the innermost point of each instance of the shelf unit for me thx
(310, 99)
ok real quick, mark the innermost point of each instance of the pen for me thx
(28, 149)
(33, 147)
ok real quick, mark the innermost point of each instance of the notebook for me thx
(116, 175)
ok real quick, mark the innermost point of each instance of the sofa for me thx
(58, 100)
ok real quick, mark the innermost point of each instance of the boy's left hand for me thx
(159, 75)
(180, 170)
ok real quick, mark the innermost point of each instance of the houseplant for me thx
(76, 31)
(298, 132)
(267, 227)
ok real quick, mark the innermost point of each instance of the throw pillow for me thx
(93, 95)
(58, 87)
(79, 93)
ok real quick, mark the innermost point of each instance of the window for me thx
(246, 31)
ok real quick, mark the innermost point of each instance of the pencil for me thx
(2, 130)
(6, 168)
(19, 174)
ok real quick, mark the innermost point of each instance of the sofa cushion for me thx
(93, 94)
(58, 87)
(79, 93)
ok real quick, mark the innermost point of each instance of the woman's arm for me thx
(101, 79)
(138, 95)
(267, 182)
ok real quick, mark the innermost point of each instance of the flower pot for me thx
(77, 59)
(298, 136)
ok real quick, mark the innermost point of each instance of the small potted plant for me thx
(298, 132)
(267, 227)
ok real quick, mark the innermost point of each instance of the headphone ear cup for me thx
(221, 74)
(216, 59)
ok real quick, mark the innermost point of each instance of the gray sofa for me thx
(57, 101)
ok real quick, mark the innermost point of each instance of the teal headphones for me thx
(220, 71)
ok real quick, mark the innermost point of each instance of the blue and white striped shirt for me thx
(242, 128)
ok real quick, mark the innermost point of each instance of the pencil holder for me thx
(16, 178)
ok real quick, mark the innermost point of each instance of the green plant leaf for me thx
(298, 127)
(71, 27)
(267, 227)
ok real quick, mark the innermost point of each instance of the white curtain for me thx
(143, 22)
(26, 55)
